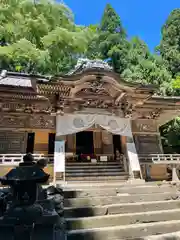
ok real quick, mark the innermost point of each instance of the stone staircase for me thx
(100, 171)
(122, 211)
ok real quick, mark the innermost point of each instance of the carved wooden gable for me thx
(99, 92)
(95, 88)
(94, 94)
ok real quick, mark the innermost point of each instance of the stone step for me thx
(125, 232)
(92, 164)
(94, 174)
(167, 236)
(96, 170)
(97, 178)
(121, 208)
(106, 185)
(122, 219)
(122, 198)
(115, 191)
(74, 167)
(81, 185)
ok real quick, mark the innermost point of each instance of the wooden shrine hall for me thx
(95, 111)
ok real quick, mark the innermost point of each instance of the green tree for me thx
(170, 44)
(112, 42)
(93, 51)
(145, 67)
(40, 37)
(170, 133)
(169, 50)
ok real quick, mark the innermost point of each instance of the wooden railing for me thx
(159, 159)
(15, 159)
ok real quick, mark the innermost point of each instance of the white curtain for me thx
(115, 125)
(69, 123)
(73, 123)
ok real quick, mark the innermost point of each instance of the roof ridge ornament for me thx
(84, 64)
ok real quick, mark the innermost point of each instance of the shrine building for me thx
(95, 111)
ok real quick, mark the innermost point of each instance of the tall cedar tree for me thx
(112, 39)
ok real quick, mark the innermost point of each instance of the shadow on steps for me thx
(85, 212)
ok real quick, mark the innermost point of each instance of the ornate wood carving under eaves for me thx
(97, 103)
(110, 104)
(60, 104)
(42, 121)
(95, 88)
(61, 89)
(127, 107)
(27, 121)
(144, 113)
(43, 107)
(92, 91)
(11, 121)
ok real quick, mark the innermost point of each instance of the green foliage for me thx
(132, 59)
(170, 43)
(145, 67)
(40, 37)
(110, 40)
(169, 49)
(110, 22)
(171, 136)
(176, 83)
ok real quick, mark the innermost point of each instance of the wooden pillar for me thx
(71, 143)
(123, 144)
(124, 151)
(97, 137)
(107, 143)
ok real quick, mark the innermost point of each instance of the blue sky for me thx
(140, 18)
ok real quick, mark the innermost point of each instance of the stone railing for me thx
(171, 160)
(15, 159)
(159, 158)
